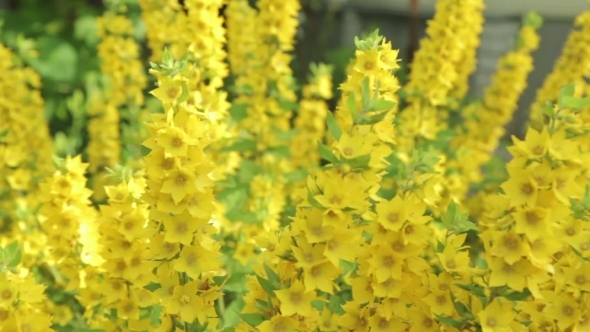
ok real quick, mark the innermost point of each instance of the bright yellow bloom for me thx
(295, 300)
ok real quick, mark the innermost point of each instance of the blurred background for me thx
(63, 33)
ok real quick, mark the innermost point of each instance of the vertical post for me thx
(413, 39)
(497, 38)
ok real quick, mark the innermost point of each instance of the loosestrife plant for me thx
(219, 194)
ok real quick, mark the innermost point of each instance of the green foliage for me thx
(455, 220)
(10, 256)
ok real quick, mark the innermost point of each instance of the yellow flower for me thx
(362, 289)
(532, 222)
(278, 324)
(179, 184)
(185, 302)
(392, 214)
(512, 275)
(355, 318)
(497, 316)
(168, 90)
(380, 323)
(295, 300)
(422, 321)
(508, 245)
(521, 188)
(535, 144)
(194, 260)
(320, 276)
(368, 63)
(181, 227)
(578, 277)
(385, 263)
(440, 302)
(8, 292)
(454, 260)
(174, 141)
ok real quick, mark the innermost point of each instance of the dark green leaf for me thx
(282, 151)
(518, 296)
(273, 277)
(359, 162)
(327, 154)
(475, 289)
(266, 285)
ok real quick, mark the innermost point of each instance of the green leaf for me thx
(351, 103)
(85, 29)
(466, 225)
(266, 284)
(234, 198)
(533, 19)
(236, 283)
(286, 135)
(361, 162)
(288, 105)
(282, 151)
(167, 59)
(574, 103)
(453, 215)
(475, 289)
(273, 277)
(327, 154)
(248, 169)
(381, 105)
(231, 314)
(242, 145)
(566, 91)
(184, 96)
(518, 296)
(12, 254)
(333, 126)
(238, 112)
(366, 119)
(247, 217)
(365, 94)
(155, 316)
(312, 201)
(449, 321)
(58, 61)
(335, 304)
(253, 319)
(296, 175)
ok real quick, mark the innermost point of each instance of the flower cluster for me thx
(180, 194)
(25, 143)
(122, 95)
(483, 123)
(251, 206)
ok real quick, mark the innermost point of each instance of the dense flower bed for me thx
(251, 206)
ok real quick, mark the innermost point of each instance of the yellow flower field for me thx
(232, 198)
